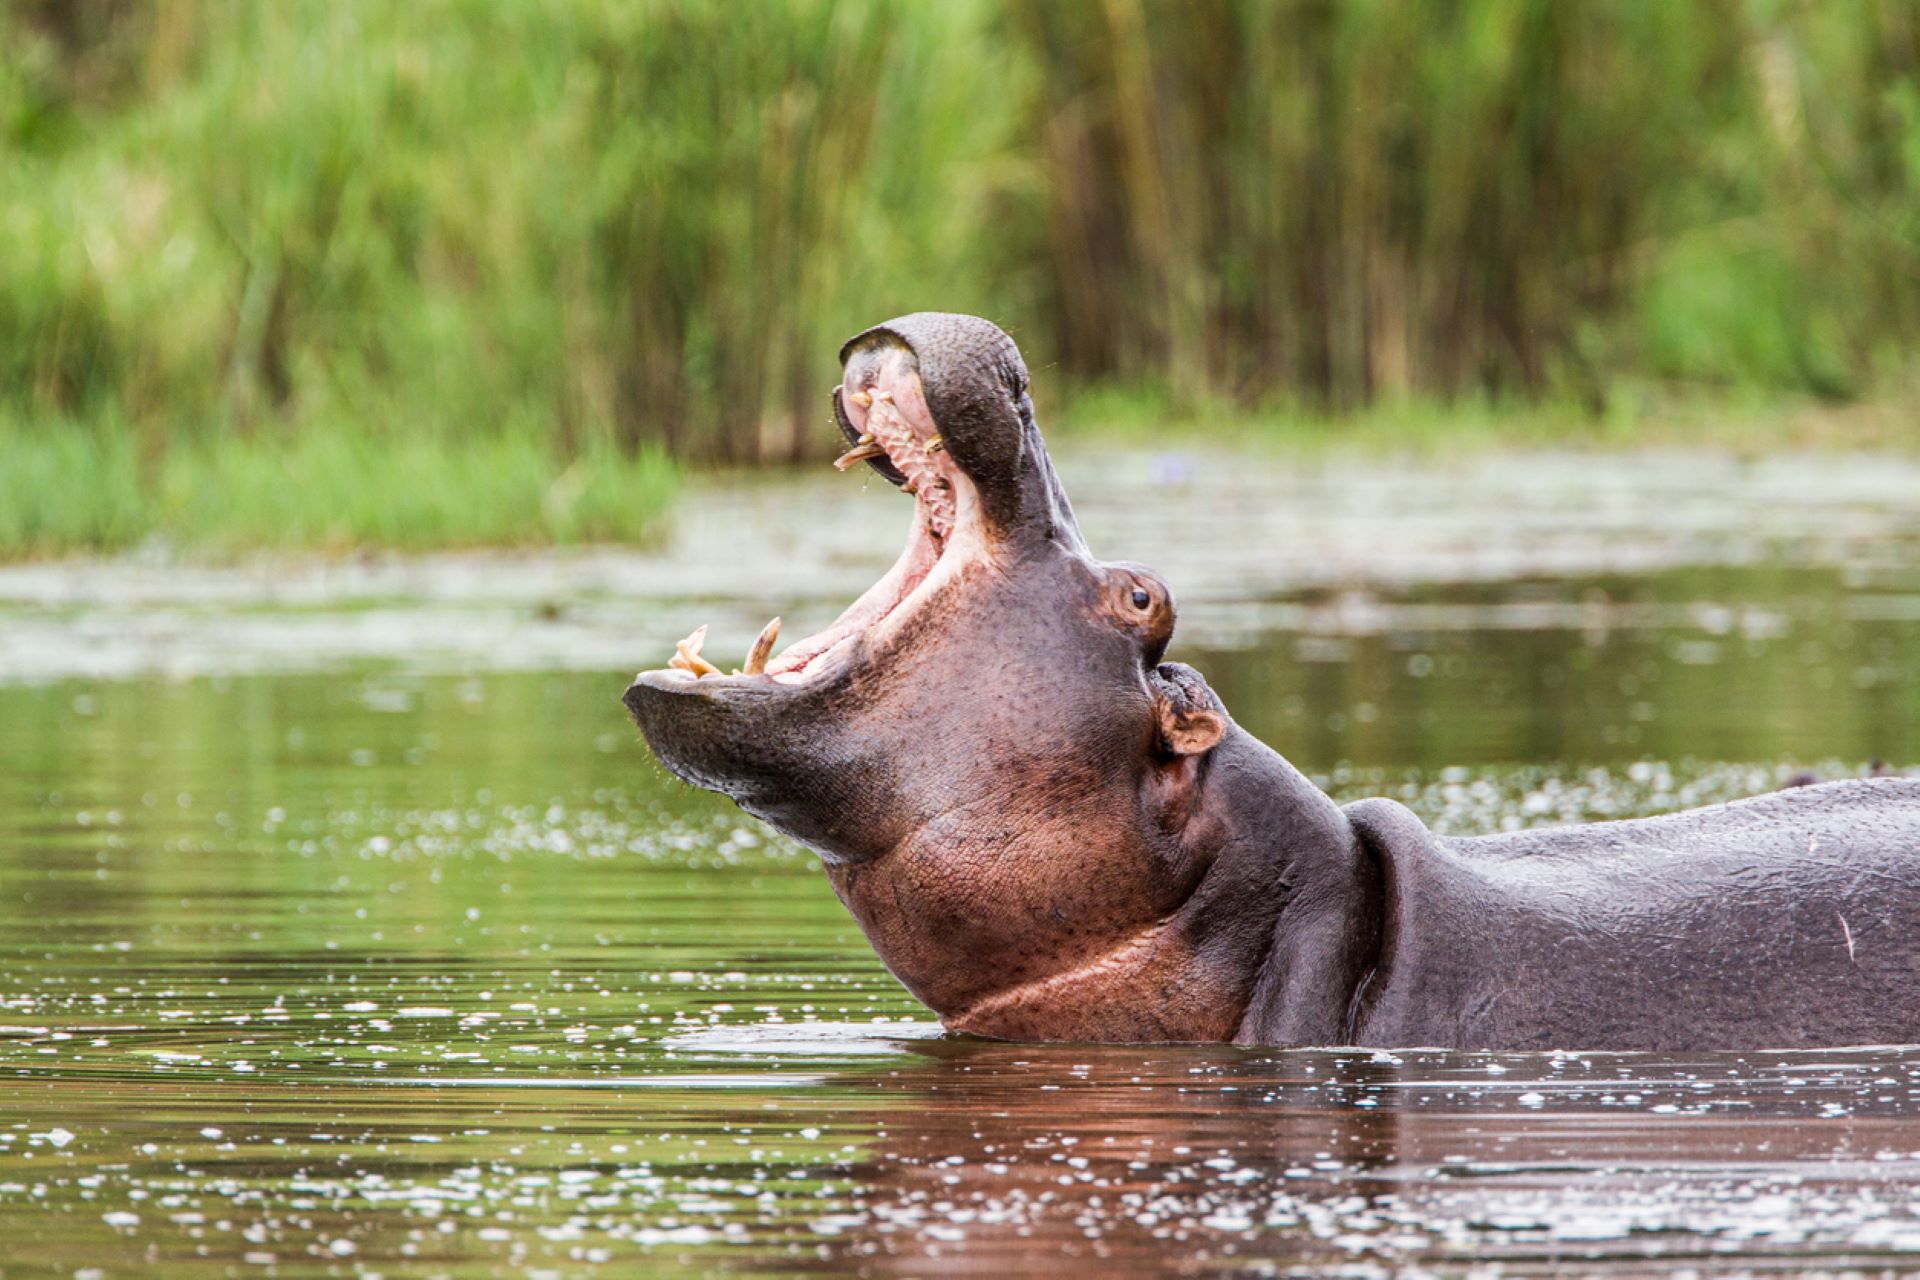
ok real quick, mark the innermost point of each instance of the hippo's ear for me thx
(1190, 718)
(1188, 732)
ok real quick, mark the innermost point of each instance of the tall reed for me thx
(1340, 202)
(631, 225)
(642, 227)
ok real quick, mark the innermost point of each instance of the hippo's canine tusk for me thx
(762, 647)
(859, 453)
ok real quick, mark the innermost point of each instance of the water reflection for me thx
(974, 1156)
(1596, 670)
(1129, 1157)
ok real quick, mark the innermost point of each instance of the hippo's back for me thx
(1825, 825)
(1790, 919)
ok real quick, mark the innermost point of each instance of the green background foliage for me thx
(453, 271)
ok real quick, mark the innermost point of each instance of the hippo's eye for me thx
(1140, 598)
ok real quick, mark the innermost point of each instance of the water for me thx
(359, 960)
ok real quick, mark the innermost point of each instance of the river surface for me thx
(350, 928)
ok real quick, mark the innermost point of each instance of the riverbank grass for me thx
(67, 488)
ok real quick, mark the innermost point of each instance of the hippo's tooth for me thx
(881, 393)
(757, 656)
(686, 655)
(861, 398)
(934, 445)
(859, 453)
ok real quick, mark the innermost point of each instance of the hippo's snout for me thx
(707, 732)
(650, 702)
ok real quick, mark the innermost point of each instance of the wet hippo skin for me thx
(1049, 833)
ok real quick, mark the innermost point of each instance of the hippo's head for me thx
(1010, 789)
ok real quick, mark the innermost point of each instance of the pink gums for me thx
(898, 419)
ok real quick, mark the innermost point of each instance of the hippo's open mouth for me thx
(888, 424)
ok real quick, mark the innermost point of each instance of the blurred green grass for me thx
(333, 487)
(450, 272)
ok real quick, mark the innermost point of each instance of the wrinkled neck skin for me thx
(1262, 930)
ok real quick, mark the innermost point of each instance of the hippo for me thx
(1048, 832)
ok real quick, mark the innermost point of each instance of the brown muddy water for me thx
(351, 930)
